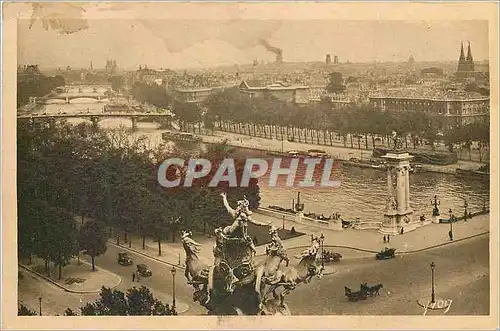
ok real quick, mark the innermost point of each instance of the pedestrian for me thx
(385, 240)
(137, 276)
(402, 230)
(133, 276)
(388, 238)
(450, 234)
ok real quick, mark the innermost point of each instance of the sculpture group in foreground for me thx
(235, 284)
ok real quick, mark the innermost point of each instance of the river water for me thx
(361, 194)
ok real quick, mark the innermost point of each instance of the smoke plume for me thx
(269, 47)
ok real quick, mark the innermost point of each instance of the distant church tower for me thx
(465, 64)
(470, 60)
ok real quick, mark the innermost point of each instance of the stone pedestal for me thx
(435, 219)
(399, 214)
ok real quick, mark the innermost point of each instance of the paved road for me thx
(54, 300)
(462, 274)
(160, 282)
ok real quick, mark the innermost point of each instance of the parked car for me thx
(124, 259)
(387, 253)
(143, 270)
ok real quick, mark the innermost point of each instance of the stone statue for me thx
(233, 284)
(398, 142)
(196, 272)
(241, 217)
(275, 247)
(392, 204)
(290, 276)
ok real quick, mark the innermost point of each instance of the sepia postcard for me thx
(250, 165)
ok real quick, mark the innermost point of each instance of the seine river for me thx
(362, 192)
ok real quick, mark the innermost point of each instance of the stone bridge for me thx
(73, 95)
(96, 117)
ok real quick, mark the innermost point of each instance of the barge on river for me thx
(180, 136)
(482, 173)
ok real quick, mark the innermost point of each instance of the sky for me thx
(177, 44)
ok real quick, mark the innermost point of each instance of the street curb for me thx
(65, 288)
(146, 255)
(444, 244)
(328, 246)
(397, 253)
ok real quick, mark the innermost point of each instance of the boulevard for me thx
(462, 275)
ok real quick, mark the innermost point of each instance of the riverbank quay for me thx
(337, 152)
(350, 243)
(367, 241)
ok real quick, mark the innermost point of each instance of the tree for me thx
(69, 312)
(93, 239)
(116, 82)
(187, 113)
(25, 311)
(137, 302)
(63, 237)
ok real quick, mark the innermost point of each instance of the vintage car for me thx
(452, 219)
(124, 259)
(386, 253)
(143, 270)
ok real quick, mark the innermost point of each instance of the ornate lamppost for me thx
(465, 210)
(40, 306)
(451, 224)
(322, 238)
(173, 271)
(299, 206)
(435, 203)
(433, 295)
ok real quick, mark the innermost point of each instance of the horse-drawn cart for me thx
(364, 292)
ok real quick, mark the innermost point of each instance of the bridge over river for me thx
(69, 93)
(96, 117)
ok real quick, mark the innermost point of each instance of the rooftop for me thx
(427, 95)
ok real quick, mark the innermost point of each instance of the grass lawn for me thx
(261, 233)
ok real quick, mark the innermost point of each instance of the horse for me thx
(196, 271)
(376, 289)
(303, 273)
(268, 272)
(371, 290)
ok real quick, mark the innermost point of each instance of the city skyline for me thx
(182, 44)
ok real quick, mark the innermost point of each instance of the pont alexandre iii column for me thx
(401, 190)
(407, 185)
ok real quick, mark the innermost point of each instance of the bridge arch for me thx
(85, 99)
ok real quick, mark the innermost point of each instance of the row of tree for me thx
(273, 118)
(36, 86)
(136, 302)
(111, 178)
(269, 117)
